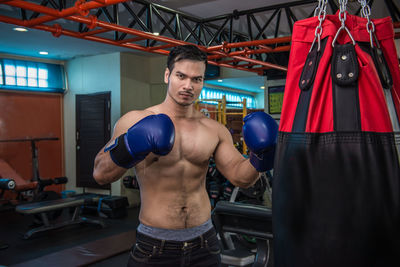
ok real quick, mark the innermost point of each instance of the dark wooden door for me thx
(93, 131)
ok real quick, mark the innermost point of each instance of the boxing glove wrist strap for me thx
(263, 161)
(120, 154)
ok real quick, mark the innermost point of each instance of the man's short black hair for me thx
(181, 52)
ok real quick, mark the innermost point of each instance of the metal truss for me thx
(261, 47)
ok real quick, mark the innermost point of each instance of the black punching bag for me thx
(336, 195)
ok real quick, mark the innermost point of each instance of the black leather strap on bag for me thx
(306, 85)
(344, 71)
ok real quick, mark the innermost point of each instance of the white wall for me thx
(88, 75)
(142, 82)
(260, 100)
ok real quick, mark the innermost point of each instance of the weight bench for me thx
(244, 219)
(43, 207)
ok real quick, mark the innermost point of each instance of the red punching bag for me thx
(336, 195)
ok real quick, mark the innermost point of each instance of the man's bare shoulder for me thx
(129, 119)
(134, 116)
(212, 124)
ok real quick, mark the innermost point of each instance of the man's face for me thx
(185, 81)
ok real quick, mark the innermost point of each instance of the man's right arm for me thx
(152, 133)
(105, 170)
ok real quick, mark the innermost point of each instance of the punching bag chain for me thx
(319, 11)
(342, 18)
(366, 12)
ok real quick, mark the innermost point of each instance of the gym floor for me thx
(13, 225)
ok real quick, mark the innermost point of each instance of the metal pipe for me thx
(57, 30)
(234, 67)
(263, 50)
(278, 40)
(256, 62)
(80, 7)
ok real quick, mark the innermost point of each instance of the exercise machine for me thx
(5, 184)
(32, 190)
(221, 112)
(244, 219)
(23, 191)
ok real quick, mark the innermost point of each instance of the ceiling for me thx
(65, 48)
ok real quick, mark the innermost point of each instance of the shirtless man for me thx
(170, 145)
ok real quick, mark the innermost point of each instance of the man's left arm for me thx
(260, 133)
(233, 165)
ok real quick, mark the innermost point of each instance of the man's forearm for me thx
(246, 174)
(105, 171)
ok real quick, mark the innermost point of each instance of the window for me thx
(32, 76)
(1, 74)
(209, 93)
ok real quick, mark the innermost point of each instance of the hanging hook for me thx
(342, 18)
(321, 10)
(366, 12)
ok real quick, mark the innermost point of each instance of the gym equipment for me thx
(219, 188)
(7, 184)
(336, 184)
(107, 207)
(43, 208)
(36, 184)
(34, 151)
(32, 191)
(244, 219)
(130, 182)
(222, 112)
(21, 187)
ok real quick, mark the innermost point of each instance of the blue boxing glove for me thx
(260, 132)
(154, 133)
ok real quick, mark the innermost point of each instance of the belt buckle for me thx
(185, 245)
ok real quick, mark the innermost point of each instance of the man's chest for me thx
(194, 141)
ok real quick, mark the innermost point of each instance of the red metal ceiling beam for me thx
(235, 67)
(82, 8)
(132, 40)
(94, 32)
(247, 52)
(256, 62)
(286, 39)
(56, 30)
(67, 14)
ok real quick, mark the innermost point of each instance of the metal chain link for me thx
(366, 12)
(319, 11)
(342, 18)
(321, 6)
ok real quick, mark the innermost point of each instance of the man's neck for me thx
(176, 110)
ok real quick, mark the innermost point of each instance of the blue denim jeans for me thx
(201, 251)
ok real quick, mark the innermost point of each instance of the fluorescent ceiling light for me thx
(20, 29)
(156, 33)
(262, 87)
(220, 81)
(43, 53)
